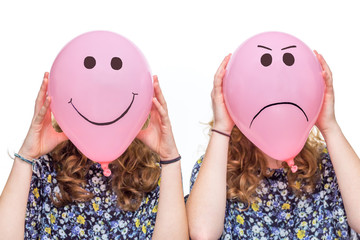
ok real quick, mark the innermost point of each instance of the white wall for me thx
(184, 42)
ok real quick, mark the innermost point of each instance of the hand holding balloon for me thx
(158, 135)
(222, 119)
(326, 117)
(41, 137)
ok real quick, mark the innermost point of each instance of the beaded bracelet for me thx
(170, 161)
(24, 159)
(217, 131)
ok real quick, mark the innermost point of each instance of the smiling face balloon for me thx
(273, 90)
(101, 90)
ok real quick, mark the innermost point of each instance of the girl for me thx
(240, 192)
(64, 195)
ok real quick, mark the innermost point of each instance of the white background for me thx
(183, 41)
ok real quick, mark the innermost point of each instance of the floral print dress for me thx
(99, 218)
(279, 214)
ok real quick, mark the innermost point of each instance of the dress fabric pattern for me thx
(280, 214)
(99, 218)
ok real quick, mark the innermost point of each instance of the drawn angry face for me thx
(273, 90)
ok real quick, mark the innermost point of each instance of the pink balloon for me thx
(273, 90)
(101, 89)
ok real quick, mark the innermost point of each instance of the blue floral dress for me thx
(99, 218)
(279, 214)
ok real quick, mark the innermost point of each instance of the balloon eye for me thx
(266, 60)
(288, 59)
(116, 63)
(89, 62)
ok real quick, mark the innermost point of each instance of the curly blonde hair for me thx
(134, 173)
(247, 166)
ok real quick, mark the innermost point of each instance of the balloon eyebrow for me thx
(264, 47)
(292, 46)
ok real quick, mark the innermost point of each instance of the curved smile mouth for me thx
(279, 103)
(105, 123)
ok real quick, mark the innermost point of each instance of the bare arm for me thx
(171, 221)
(40, 140)
(344, 159)
(13, 201)
(347, 168)
(207, 200)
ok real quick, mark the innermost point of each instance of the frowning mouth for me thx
(105, 123)
(278, 103)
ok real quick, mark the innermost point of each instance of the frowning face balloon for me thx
(101, 90)
(273, 91)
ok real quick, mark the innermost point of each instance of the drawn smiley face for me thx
(273, 89)
(101, 89)
(116, 64)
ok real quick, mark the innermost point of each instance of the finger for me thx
(223, 64)
(327, 68)
(221, 71)
(323, 63)
(42, 94)
(61, 137)
(328, 80)
(43, 111)
(326, 73)
(162, 112)
(218, 79)
(316, 53)
(158, 93)
(320, 59)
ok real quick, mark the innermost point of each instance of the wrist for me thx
(175, 165)
(169, 152)
(169, 156)
(25, 154)
(223, 129)
(21, 162)
(331, 129)
(170, 161)
(221, 133)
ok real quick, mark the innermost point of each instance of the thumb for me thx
(141, 134)
(61, 137)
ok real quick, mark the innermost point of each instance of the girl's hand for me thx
(222, 119)
(326, 119)
(41, 137)
(158, 135)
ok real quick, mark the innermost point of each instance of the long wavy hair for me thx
(134, 173)
(247, 166)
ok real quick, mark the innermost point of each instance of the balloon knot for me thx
(292, 165)
(294, 168)
(107, 171)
